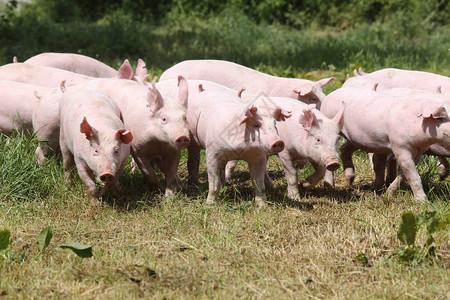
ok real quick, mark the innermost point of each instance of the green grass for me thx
(148, 246)
(232, 36)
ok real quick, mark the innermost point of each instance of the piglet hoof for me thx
(210, 200)
(260, 203)
(328, 185)
(94, 201)
(349, 176)
(443, 173)
(228, 177)
(39, 155)
(390, 192)
(68, 178)
(169, 193)
(421, 198)
(294, 195)
(269, 185)
(307, 185)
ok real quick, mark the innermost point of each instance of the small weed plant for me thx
(44, 238)
(408, 231)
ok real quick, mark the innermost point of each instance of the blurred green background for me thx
(286, 38)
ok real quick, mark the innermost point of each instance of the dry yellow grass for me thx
(151, 247)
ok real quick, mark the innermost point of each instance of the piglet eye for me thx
(96, 152)
(164, 118)
(116, 151)
(318, 140)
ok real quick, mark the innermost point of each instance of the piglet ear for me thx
(15, 60)
(323, 82)
(125, 71)
(249, 114)
(124, 136)
(433, 110)
(304, 90)
(183, 91)
(308, 119)
(89, 131)
(141, 72)
(154, 98)
(280, 114)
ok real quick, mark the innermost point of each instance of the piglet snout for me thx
(182, 141)
(107, 177)
(333, 166)
(277, 146)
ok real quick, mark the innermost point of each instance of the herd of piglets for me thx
(94, 116)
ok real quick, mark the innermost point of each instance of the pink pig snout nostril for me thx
(277, 146)
(106, 177)
(182, 141)
(333, 166)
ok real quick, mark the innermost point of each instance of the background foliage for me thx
(299, 13)
(301, 35)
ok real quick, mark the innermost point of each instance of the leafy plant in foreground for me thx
(44, 238)
(5, 246)
(84, 251)
(407, 234)
(4, 239)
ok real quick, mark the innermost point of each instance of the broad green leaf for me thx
(406, 255)
(424, 217)
(408, 229)
(436, 225)
(4, 239)
(409, 254)
(81, 250)
(44, 238)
